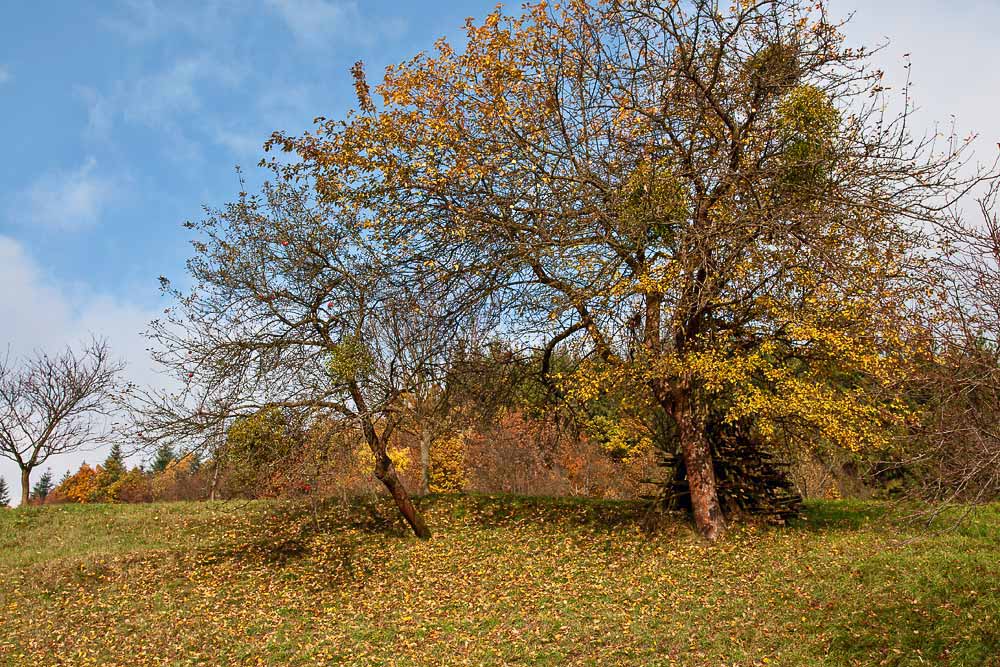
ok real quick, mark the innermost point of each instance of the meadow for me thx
(504, 581)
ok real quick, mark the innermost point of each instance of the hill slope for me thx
(504, 582)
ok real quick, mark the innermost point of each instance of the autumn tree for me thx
(428, 411)
(297, 308)
(255, 445)
(55, 404)
(718, 200)
(80, 487)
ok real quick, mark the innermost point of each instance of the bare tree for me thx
(299, 308)
(51, 405)
(953, 453)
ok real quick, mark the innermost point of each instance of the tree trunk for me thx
(697, 452)
(25, 486)
(425, 461)
(215, 479)
(385, 471)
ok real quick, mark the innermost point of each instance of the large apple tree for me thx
(718, 199)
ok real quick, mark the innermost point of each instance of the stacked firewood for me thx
(751, 480)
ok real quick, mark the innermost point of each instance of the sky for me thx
(122, 119)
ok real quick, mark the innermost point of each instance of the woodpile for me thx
(751, 481)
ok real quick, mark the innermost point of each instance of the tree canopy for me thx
(719, 203)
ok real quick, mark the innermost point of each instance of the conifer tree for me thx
(114, 465)
(4, 493)
(164, 457)
(43, 487)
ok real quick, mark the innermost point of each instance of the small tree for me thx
(80, 487)
(4, 493)
(54, 405)
(256, 447)
(301, 309)
(951, 455)
(43, 487)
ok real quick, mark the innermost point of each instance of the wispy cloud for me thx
(137, 21)
(69, 200)
(147, 20)
(171, 101)
(178, 89)
(325, 23)
(240, 144)
(99, 112)
(4, 74)
(170, 94)
(278, 106)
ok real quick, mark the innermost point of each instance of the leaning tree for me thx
(719, 200)
(298, 307)
(55, 404)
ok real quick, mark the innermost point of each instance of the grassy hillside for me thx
(504, 582)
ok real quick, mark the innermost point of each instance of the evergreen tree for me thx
(43, 487)
(114, 465)
(164, 457)
(4, 493)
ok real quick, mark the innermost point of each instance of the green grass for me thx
(505, 581)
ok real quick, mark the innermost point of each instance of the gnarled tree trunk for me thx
(385, 471)
(697, 452)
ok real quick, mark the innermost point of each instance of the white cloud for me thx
(67, 200)
(137, 21)
(4, 74)
(278, 106)
(241, 144)
(38, 313)
(324, 23)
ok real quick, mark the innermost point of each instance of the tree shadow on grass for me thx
(573, 513)
(839, 515)
(285, 533)
(327, 536)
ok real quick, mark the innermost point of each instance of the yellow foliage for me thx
(622, 439)
(174, 471)
(364, 460)
(82, 486)
(448, 473)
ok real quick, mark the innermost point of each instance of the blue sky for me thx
(125, 117)
(122, 118)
